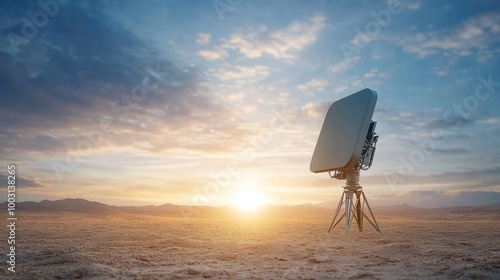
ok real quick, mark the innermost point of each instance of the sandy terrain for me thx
(263, 246)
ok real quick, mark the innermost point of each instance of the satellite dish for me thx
(346, 145)
(340, 142)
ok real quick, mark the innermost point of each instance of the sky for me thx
(212, 102)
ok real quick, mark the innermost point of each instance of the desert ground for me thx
(261, 245)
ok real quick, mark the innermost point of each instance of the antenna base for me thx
(353, 200)
(352, 180)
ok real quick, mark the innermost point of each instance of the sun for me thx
(249, 199)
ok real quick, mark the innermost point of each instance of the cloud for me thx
(281, 44)
(203, 38)
(491, 121)
(212, 55)
(467, 180)
(375, 73)
(424, 121)
(316, 109)
(451, 151)
(344, 65)
(445, 123)
(242, 72)
(375, 77)
(24, 183)
(416, 5)
(474, 36)
(434, 199)
(313, 85)
(256, 42)
(71, 78)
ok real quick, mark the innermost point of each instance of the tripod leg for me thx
(359, 211)
(348, 205)
(374, 224)
(332, 225)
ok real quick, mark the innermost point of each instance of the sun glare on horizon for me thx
(249, 199)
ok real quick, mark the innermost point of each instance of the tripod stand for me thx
(353, 199)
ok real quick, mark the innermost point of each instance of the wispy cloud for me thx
(280, 44)
(316, 109)
(203, 38)
(214, 54)
(415, 5)
(434, 199)
(344, 64)
(475, 36)
(314, 85)
(25, 183)
(64, 80)
(242, 72)
(466, 180)
(491, 121)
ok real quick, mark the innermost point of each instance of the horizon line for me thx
(263, 205)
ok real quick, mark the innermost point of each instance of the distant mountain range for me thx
(84, 206)
(79, 205)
